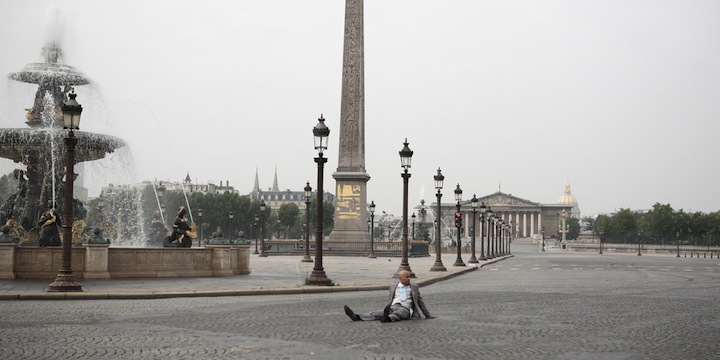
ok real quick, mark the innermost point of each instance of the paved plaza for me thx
(534, 305)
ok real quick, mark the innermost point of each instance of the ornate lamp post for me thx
(491, 235)
(483, 209)
(372, 229)
(488, 217)
(677, 241)
(458, 225)
(321, 134)
(412, 234)
(260, 230)
(474, 204)
(405, 160)
(601, 236)
(257, 234)
(65, 280)
(438, 265)
(639, 243)
(231, 216)
(201, 227)
(308, 196)
(543, 240)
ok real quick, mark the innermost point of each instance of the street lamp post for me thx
(405, 161)
(543, 239)
(257, 234)
(677, 241)
(372, 229)
(474, 205)
(262, 233)
(489, 217)
(231, 216)
(321, 134)
(201, 227)
(65, 279)
(412, 234)
(438, 265)
(639, 243)
(308, 196)
(458, 225)
(483, 209)
(601, 236)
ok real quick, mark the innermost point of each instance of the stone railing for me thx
(349, 248)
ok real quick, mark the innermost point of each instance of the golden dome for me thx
(567, 198)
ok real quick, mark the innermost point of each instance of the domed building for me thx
(569, 199)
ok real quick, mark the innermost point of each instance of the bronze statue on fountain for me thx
(183, 233)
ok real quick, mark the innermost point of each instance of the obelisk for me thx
(351, 178)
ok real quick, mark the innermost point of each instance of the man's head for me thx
(404, 277)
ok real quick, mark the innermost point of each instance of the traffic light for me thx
(458, 219)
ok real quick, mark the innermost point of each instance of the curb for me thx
(151, 295)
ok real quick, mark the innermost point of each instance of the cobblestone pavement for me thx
(535, 305)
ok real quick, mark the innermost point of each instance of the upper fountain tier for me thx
(50, 70)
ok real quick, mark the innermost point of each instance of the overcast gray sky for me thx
(621, 98)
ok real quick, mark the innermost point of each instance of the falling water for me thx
(157, 198)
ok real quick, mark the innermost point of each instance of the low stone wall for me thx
(104, 262)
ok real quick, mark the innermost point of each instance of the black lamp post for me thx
(458, 225)
(438, 265)
(639, 243)
(321, 134)
(201, 227)
(65, 280)
(412, 234)
(491, 234)
(677, 241)
(308, 196)
(231, 216)
(601, 236)
(405, 160)
(372, 229)
(483, 209)
(257, 234)
(474, 205)
(262, 233)
(543, 240)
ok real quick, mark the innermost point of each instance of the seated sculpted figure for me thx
(49, 229)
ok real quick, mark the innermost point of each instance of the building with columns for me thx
(528, 218)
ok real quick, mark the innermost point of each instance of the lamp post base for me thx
(438, 266)
(65, 282)
(473, 260)
(372, 256)
(306, 258)
(406, 268)
(458, 262)
(318, 277)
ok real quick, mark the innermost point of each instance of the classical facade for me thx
(527, 218)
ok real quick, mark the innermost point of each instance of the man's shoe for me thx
(351, 314)
(386, 315)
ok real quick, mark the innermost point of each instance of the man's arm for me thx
(421, 304)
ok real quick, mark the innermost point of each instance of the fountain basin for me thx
(107, 262)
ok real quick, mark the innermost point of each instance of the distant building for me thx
(274, 197)
(528, 218)
(569, 199)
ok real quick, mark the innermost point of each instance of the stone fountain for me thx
(39, 147)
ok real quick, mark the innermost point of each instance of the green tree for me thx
(573, 228)
(288, 215)
(662, 222)
(625, 224)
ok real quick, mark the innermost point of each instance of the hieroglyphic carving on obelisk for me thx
(351, 178)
